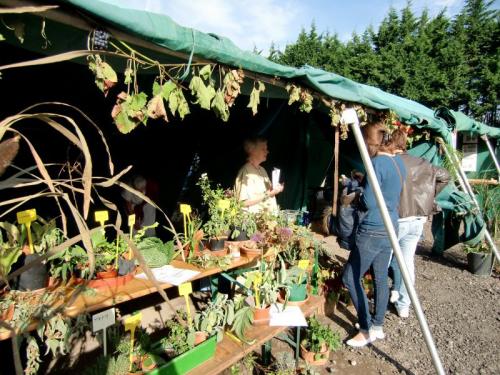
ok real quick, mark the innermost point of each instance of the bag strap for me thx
(397, 169)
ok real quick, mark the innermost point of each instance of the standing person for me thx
(423, 182)
(145, 214)
(372, 245)
(253, 186)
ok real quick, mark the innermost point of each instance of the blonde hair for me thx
(250, 143)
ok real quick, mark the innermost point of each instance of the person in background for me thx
(423, 182)
(372, 245)
(145, 214)
(348, 218)
(253, 186)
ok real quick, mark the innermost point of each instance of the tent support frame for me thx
(465, 185)
(395, 246)
(492, 152)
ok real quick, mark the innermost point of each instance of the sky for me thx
(259, 23)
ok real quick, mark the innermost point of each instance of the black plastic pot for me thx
(125, 266)
(216, 244)
(238, 235)
(480, 264)
(35, 277)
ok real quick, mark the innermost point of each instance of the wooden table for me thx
(135, 288)
(229, 351)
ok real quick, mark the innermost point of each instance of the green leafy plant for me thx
(178, 340)
(319, 336)
(215, 316)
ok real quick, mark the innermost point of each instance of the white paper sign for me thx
(469, 160)
(170, 274)
(276, 177)
(292, 316)
(103, 319)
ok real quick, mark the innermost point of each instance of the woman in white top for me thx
(253, 186)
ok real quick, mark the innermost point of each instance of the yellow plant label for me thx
(131, 220)
(101, 216)
(132, 321)
(303, 264)
(258, 279)
(27, 216)
(185, 209)
(223, 204)
(185, 289)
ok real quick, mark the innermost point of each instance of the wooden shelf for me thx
(135, 288)
(229, 351)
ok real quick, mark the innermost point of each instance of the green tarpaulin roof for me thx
(163, 31)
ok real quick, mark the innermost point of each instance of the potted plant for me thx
(10, 250)
(265, 287)
(479, 259)
(318, 341)
(214, 317)
(294, 282)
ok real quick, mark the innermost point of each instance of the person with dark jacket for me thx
(423, 182)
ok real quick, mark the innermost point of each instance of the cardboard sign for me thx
(185, 289)
(27, 216)
(185, 209)
(101, 216)
(103, 319)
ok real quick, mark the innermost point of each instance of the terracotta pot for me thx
(108, 274)
(147, 367)
(199, 337)
(309, 357)
(261, 316)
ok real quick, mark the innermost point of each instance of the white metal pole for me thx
(394, 242)
(464, 183)
(492, 153)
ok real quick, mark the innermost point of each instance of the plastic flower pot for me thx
(188, 360)
(480, 264)
(35, 277)
(216, 244)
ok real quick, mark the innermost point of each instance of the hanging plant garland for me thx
(299, 94)
(232, 85)
(203, 93)
(105, 76)
(255, 96)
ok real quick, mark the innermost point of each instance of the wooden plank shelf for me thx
(229, 351)
(135, 288)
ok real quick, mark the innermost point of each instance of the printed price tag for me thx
(185, 289)
(223, 204)
(185, 209)
(103, 319)
(25, 217)
(101, 216)
(303, 264)
(131, 220)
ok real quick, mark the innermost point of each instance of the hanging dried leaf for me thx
(128, 75)
(129, 111)
(220, 106)
(8, 151)
(204, 94)
(232, 85)
(294, 92)
(105, 76)
(178, 103)
(307, 99)
(255, 97)
(206, 72)
(156, 108)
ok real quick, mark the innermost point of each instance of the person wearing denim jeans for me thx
(409, 232)
(373, 248)
(423, 182)
(372, 245)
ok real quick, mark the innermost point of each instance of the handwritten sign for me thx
(101, 216)
(185, 209)
(223, 204)
(26, 217)
(185, 289)
(303, 264)
(103, 319)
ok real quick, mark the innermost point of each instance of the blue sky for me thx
(258, 23)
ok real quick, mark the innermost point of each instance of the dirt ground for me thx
(461, 309)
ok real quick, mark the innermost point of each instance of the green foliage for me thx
(488, 197)
(130, 111)
(202, 87)
(63, 264)
(105, 76)
(178, 340)
(317, 335)
(255, 97)
(156, 253)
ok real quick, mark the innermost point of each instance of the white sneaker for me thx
(376, 334)
(362, 341)
(394, 296)
(404, 312)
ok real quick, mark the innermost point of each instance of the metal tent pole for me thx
(352, 119)
(492, 152)
(464, 183)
